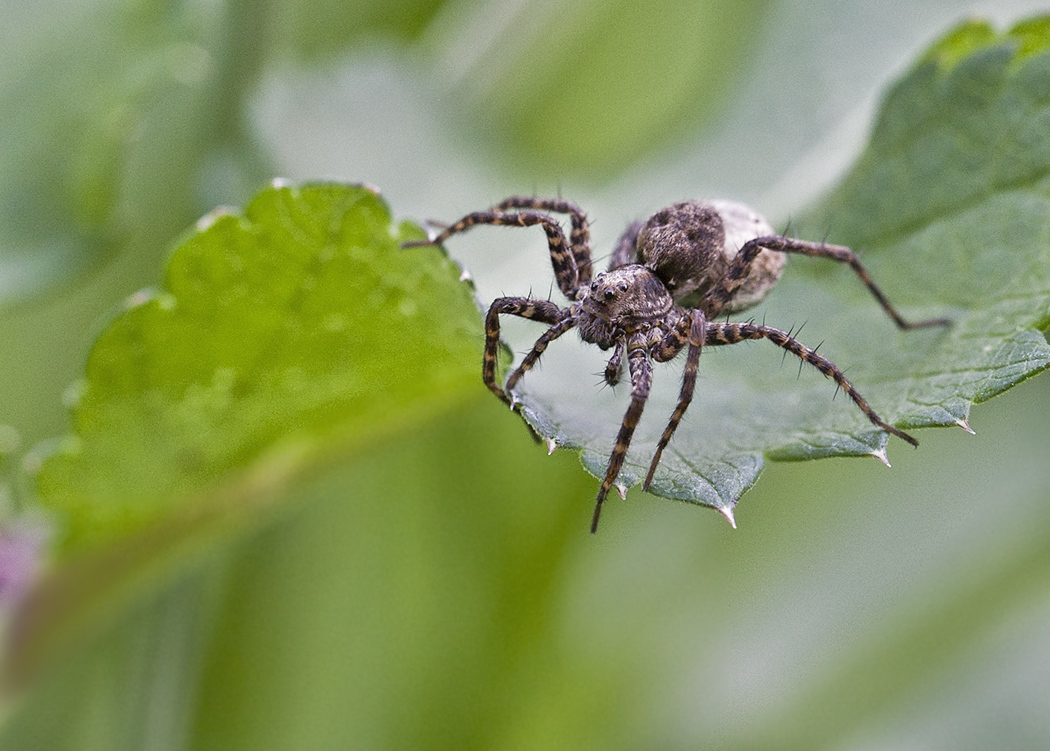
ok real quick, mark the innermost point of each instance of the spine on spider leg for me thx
(579, 236)
(732, 333)
(523, 307)
(491, 354)
(563, 260)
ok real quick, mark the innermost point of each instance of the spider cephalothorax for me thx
(668, 277)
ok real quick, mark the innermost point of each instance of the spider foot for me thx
(927, 324)
(899, 433)
(603, 493)
(652, 470)
(432, 239)
(597, 513)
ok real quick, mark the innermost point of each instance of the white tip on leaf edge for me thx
(727, 512)
(880, 454)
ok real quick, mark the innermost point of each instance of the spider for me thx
(668, 278)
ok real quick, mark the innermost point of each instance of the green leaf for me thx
(950, 209)
(587, 88)
(283, 339)
(314, 28)
(300, 319)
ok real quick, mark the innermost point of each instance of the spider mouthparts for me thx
(965, 426)
(551, 445)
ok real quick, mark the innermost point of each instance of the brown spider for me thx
(667, 279)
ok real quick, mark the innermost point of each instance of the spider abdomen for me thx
(691, 244)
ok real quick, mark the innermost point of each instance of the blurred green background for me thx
(439, 588)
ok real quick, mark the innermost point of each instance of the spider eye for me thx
(609, 295)
(623, 286)
(594, 286)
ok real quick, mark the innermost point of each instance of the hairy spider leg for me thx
(626, 250)
(732, 333)
(691, 330)
(537, 310)
(741, 265)
(538, 349)
(566, 272)
(641, 381)
(579, 236)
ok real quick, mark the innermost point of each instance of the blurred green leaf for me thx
(950, 205)
(283, 338)
(122, 122)
(318, 27)
(587, 88)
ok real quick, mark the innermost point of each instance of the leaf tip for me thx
(139, 298)
(551, 446)
(727, 512)
(965, 426)
(880, 454)
(213, 216)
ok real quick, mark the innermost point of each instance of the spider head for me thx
(629, 292)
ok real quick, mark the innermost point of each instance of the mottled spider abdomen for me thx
(690, 245)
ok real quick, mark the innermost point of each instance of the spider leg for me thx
(626, 251)
(538, 349)
(566, 271)
(536, 310)
(579, 236)
(741, 264)
(641, 381)
(691, 330)
(615, 365)
(732, 333)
